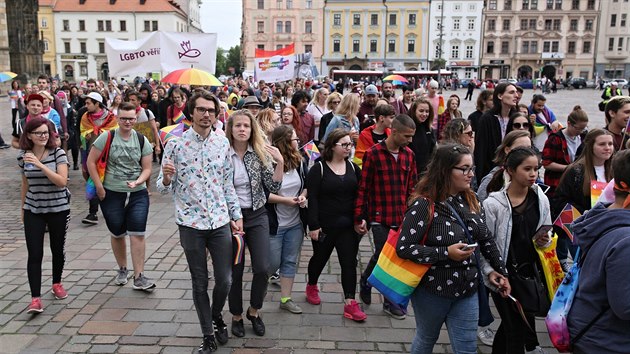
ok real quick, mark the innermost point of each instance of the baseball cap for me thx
(371, 90)
(94, 96)
(34, 96)
(251, 101)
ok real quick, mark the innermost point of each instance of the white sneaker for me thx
(537, 350)
(486, 336)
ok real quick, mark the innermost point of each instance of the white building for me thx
(461, 35)
(81, 27)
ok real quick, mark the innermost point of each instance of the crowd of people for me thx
(449, 183)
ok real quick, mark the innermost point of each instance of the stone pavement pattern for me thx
(100, 317)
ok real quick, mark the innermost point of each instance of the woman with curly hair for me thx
(268, 120)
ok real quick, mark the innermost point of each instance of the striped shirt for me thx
(43, 196)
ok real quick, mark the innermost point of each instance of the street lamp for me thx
(439, 53)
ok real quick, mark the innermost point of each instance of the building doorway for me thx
(525, 72)
(549, 71)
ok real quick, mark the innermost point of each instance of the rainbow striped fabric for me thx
(238, 247)
(101, 166)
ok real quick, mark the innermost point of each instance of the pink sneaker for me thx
(312, 294)
(59, 291)
(36, 306)
(354, 312)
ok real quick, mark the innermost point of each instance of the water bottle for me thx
(29, 166)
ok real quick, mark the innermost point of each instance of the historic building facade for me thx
(47, 33)
(5, 58)
(25, 46)
(385, 35)
(613, 42)
(274, 24)
(526, 39)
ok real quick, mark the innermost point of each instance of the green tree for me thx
(221, 67)
(234, 59)
(438, 63)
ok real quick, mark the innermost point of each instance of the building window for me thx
(571, 47)
(261, 4)
(83, 69)
(66, 25)
(471, 24)
(471, 7)
(308, 48)
(622, 22)
(492, 25)
(45, 45)
(392, 19)
(153, 23)
(492, 5)
(590, 5)
(44, 22)
(438, 23)
(506, 25)
(586, 47)
(147, 25)
(588, 25)
(575, 5)
(279, 27)
(356, 19)
(457, 7)
(507, 5)
(411, 45)
(391, 45)
(611, 44)
(613, 20)
(66, 47)
(336, 46)
(308, 27)
(456, 24)
(309, 4)
(123, 26)
(279, 4)
(101, 47)
(356, 45)
(469, 52)
(558, 4)
(108, 25)
(260, 46)
(81, 25)
(549, 4)
(336, 19)
(534, 5)
(373, 44)
(573, 26)
(546, 46)
(523, 24)
(455, 51)
(620, 44)
(533, 46)
(532, 24)
(83, 47)
(289, 4)
(260, 25)
(278, 46)
(287, 26)
(490, 47)
(525, 4)
(374, 20)
(556, 25)
(548, 24)
(525, 47)
(437, 51)
(412, 19)
(505, 47)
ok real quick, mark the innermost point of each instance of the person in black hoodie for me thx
(423, 143)
(492, 126)
(601, 305)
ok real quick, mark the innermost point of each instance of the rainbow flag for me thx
(596, 191)
(101, 166)
(311, 151)
(172, 131)
(566, 217)
(238, 247)
(179, 118)
(441, 106)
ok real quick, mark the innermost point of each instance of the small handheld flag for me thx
(566, 217)
(311, 151)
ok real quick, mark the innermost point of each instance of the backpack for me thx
(556, 319)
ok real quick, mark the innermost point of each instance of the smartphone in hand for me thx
(470, 246)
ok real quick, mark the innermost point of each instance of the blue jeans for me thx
(124, 219)
(284, 250)
(219, 243)
(460, 315)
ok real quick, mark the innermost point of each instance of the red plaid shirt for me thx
(555, 150)
(385, 185)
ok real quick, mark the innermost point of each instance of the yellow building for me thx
(375, 34)
(47, 34)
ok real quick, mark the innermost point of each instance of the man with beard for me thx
(388, 92)
(366, 110)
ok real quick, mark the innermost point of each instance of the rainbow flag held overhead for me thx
(311, 150)
(596, 191)
(566, 217)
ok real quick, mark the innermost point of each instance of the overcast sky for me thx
(223, 17)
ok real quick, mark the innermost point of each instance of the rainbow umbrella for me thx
(396, 79)
(172, 131)
(7, 75)
(192, 76)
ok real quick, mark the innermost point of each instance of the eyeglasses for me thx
(466, 170)
(345, 145)
(40, 134)
(203, 111)
(296, 140)
(244, 95)
(127, 119)
(520, 125)
(470, 133)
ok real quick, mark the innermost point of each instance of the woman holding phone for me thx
(514, 214)
(333, 183)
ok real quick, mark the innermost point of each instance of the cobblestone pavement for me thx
(100, 317)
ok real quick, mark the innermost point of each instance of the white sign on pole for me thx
(133, 57)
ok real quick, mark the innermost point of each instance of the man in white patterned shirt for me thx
(197, 168)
